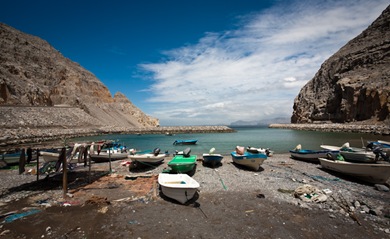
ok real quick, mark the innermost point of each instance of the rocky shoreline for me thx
(378, 129)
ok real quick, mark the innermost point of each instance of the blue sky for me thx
(198, 62)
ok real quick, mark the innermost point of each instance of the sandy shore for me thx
(232, 203)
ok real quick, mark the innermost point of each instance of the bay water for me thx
(278, 140)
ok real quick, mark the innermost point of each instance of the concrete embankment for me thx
(380, 129)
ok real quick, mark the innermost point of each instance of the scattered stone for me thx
(5, 232)
(356, 204)
(382, 188)
(375, 212)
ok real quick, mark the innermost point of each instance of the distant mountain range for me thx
(265, 122)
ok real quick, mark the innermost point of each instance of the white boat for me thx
(336, 148)
(359, 156)
(105, 157)
(179, 187)
(147, 158)
(49, 156)
(370, 172)
(384, 142)
(53, 157)
(252, 161)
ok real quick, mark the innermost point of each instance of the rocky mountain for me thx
(33, 73)
(353, 85)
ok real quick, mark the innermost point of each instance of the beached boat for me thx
(147, 159)
(249, 160)
(381, 145)
(179, 187)
(370, 172)
(13, 158)
(344, 147)
(386, 143)
(254, 150)
(360, 156)
(185, 142)
(48, 156)
(211, 158)
(183, 163)
(105, 157)
(311, 155)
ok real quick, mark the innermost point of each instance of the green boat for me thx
(182, 163)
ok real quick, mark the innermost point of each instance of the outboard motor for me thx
(156, 151)
(379, 152)
(186, 152)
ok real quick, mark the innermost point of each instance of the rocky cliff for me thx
(354, 84)
(33, 73)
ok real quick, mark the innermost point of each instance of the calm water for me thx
(279, 140)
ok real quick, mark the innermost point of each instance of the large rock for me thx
(354, 84)
(33, 73)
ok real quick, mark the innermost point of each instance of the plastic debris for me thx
(327, 191)
(14, 217)
(309, 193)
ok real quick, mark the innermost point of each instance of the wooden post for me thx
(37, 164)
(22, 161)
(64, 172)
(109, 158)
(89, 171)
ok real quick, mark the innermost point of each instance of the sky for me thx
(198, 62)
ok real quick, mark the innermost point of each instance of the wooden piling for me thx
(37, 164)
(64, 172)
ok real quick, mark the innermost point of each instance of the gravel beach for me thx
(232, 202)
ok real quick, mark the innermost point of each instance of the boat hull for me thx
(185, 142)
(105, 157)
(49, 156)
(252, 161)
(212, 159)
(373, 173)
(147, 158)
(311, 155)
(179, 187)
(359, 156)
(182, 164)
(13, 158)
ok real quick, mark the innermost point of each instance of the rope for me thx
(220, 179)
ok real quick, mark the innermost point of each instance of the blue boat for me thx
(311, 155)
(252, 161)
(185, 142)
(211, 158)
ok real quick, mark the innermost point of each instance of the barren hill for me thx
(33, 73)
(353, 85)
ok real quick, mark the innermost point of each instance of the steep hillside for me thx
(33, 73)
(354, 84)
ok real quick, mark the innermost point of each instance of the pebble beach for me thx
(128, 203)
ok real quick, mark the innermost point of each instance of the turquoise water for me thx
(278, 140)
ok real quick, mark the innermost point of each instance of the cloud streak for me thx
(254, 72)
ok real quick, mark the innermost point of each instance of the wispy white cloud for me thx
(255, 71)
